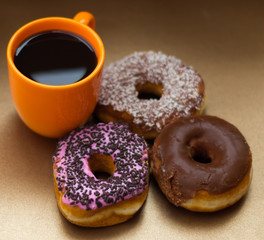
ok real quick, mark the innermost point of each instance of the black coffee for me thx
(55, 58)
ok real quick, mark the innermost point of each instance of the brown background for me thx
(224, 41)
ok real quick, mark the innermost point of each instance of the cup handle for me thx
(85, 18)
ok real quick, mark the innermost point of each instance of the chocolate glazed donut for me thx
(147, 90)
(202, 163)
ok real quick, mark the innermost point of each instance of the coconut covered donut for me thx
(147, 90)
(202, 163)
(88, 200)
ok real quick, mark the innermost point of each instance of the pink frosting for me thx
(75, 179)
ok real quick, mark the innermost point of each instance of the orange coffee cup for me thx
(52, 110)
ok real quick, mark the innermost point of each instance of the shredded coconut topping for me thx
(180, 84)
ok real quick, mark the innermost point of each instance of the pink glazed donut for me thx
(86, 199)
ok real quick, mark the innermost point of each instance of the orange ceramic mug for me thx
(52, 110)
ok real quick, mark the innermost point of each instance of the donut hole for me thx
(201, 156)
(102, 166)
(149, 91)
(199, 152)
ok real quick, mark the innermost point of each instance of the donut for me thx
(202, 163)
(147, 90)
(101, 174)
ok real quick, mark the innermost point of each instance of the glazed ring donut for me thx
(88, 200)
(147, 90)
(202, 163)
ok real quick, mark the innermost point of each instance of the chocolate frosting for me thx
(182, 90)
(200, 153)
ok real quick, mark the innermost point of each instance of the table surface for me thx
(223, 40)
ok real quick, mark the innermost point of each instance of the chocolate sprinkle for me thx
(75, 179)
